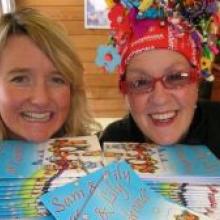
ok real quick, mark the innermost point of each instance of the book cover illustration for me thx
(27, 170)
(171, 163)
(114, 192)
(22, 160)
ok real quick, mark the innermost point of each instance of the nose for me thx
(160, 95)
(40, 94)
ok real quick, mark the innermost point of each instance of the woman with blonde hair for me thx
(42, 92)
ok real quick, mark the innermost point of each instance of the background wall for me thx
(104, 97)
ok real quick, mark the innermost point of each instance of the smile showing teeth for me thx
(33, 116)
(163, 116)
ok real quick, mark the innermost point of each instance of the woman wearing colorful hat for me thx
(162, 50)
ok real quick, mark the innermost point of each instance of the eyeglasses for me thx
(146, 84)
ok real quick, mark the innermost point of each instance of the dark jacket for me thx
(205, 129)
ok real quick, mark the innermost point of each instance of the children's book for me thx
(171, 163)
(20, 159)
(28, 169)
(114, 193)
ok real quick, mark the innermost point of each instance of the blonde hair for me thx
(52, 39)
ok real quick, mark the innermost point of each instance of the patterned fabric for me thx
(190, 27)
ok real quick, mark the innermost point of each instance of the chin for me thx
(37, 139)
(165, 141)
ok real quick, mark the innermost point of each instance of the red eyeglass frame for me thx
(123, 85)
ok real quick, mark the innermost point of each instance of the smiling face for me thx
(163, 115)
(34, 96)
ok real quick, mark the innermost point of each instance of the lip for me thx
(163, 118)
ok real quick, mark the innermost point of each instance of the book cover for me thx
(21, 159)
(27, 170)
(189, 163)
(114, 192)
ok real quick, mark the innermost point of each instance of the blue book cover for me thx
(27, 170)
(190, 163)
(114, 192)
(21, 159)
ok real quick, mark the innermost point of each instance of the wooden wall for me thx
(104, 97)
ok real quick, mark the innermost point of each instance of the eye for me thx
(177, 78)
(20, 79)
(140, 84)
(58, 79)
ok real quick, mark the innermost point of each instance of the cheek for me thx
(137, 103)
(63, 98)
(10, 98)
(189, 96)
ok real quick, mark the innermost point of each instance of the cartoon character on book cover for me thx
(137, 155)
(151, 160)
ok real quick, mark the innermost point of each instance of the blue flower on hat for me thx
(108, 58)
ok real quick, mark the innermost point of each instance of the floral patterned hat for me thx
(190, 27)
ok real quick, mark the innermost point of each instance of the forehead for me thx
(158, 59)
(21, 51)
(21, 45)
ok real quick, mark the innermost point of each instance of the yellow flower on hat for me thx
(110, 3)
(206, 63)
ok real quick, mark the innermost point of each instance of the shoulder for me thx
(116, 130)
(209, 105)
(123, 130)
(209, 109)
(210, 125)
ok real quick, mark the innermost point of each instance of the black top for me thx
(205, 129)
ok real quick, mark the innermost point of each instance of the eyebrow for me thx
(28, 70)
(180, 63)
(16, 70)
(137, 70)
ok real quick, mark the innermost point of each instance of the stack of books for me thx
(114, 192)
(71, 178)
(28, 170)
(202, 198)
(187, 175)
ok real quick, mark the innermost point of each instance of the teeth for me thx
(32, 116)
(163, 116)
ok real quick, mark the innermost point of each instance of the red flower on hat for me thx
(118, 18)
(120, 24)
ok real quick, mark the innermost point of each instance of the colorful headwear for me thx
(190, 27)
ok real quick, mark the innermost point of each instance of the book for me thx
(28, 169)
(113, 192)
(171, 163)
(24, 160)
(187, 175)
(201, 198)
